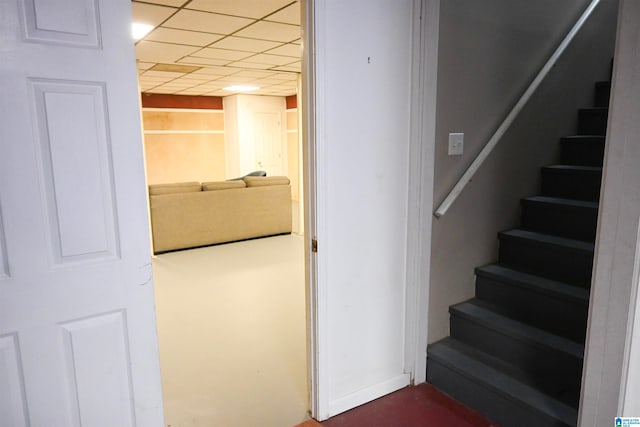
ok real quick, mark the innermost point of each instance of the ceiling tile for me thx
(161, 52)
(231, 55)
(288, 15)
(271, 31)
(189, 92)
(263, 58)
(252, 65)
(203, 61)
(217, 71)
(251, 8)
(161, 74)
(157, 90)
(285, 76)
(207, 22)
(254, 73)
(247, 45)
(154, 80)
(295, 67)
(176, 3)
(149, 13)
(268, 81)
(174, 68)
(233, 79)
(289, 49)
(192, 38)
(200, 77)
(145, 65)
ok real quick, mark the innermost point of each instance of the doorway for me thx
(231, 318)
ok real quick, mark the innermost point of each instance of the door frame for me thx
(421, 178)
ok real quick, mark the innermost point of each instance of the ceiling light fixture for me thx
(140, 30)
(240, 88)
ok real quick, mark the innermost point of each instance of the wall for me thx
(248, 148)
(488, 54)
(186, 138)
(183, 145)
(362, 157)
(293, 143)
(611, 377)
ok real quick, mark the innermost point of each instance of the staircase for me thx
(515, 352)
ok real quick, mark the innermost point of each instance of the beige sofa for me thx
(190, 214)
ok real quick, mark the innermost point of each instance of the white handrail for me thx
(491, 144)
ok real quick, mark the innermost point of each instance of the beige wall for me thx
(185, 145)
(292, 151)
(488, 54)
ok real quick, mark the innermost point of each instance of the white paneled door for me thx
(78, 343)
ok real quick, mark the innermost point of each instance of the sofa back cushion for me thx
(178, 187)
(222, 185)
(262, 181)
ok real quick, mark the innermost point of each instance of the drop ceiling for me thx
(199, 47)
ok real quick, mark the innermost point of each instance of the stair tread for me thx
(491, 372)
(478, 312)
(599, 109)
(538, 283)
(562, 168)
(548, 239)
(563, 201)
(594, 138)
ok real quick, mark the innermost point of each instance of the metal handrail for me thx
(493, 141)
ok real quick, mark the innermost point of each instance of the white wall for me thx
(363, 80)
(244, 141)
(611, 376)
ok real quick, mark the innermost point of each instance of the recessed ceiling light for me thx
(240, 88)
(140, 30)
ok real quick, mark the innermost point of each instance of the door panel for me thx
(267, 135)
(78, 343)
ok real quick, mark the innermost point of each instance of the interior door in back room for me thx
(267, 137)
(78, 343)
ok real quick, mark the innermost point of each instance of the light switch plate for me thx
(456, 144)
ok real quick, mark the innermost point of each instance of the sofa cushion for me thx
(222, 185)
(178, 187)
(262, 181)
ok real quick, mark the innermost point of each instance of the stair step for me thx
(581, 150)
(544, 360)
(603, 90)
(520, 296)
(592, 121)
(552, 257)
(575, 219)
(572, 182)
(484, 384)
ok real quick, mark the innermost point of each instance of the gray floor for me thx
(232, 333)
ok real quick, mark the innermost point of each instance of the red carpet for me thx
(422, 405)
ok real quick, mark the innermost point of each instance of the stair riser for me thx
(592, 121)
(581, 153)
(603, 90)
(571, 185)
(541, 365)
(560, 316)
(566, 221)
(550, 261)
(494, 405)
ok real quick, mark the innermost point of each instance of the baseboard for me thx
(368, 394)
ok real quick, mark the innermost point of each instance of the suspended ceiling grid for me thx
(199, 47)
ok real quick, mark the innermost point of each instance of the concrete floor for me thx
(232, 333)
